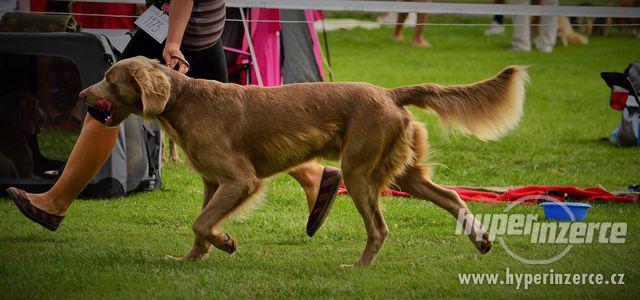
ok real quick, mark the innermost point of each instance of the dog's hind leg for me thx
(416, 182)
(418, 186)
(200, 247)
(230, 196)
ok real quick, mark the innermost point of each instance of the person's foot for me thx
(44, 203)
(329, 185)
(421, 42)
(494, 29)
(518, 49)
(545, 49)
(398, 37)
(28, 209)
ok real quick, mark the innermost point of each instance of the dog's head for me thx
(136, 85)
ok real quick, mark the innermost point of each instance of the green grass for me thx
(115, 249)
(57, 143)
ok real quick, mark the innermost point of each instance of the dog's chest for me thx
(197, 158)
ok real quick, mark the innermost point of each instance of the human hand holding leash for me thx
(178, 19)
(173, 56)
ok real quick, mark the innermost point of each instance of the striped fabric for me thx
(205, 25)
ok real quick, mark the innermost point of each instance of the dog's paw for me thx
(228, 244)
(484, 245)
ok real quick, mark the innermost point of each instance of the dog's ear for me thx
(155, 88)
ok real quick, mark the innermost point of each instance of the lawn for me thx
(115, 249)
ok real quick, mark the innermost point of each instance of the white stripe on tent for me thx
(433, 8)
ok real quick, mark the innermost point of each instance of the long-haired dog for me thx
(567, 35)
(236, 136)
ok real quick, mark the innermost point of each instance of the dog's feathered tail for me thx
(487, 109)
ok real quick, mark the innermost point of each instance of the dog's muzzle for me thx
(102, 111)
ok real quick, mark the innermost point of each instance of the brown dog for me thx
(20, 120)
(235, 136)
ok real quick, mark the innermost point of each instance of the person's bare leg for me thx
(397, 33)
(309, 176)
(92, 149)
(418, 36)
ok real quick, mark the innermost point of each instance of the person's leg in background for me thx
(317, 181)
(91, 150)
(418, 34)
(546, 39)
(497, 25)
(521, 38)
(397, 33)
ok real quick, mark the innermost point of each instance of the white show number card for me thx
(154, 22)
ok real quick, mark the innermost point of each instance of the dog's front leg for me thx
(200, 247)
(229, 197)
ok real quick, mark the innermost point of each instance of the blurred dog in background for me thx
(567, 35)
(20, 121)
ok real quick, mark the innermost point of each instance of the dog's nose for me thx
(83, 95)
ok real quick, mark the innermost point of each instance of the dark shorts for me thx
(209, 63)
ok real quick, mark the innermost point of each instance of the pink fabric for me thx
(266, 46)
(559, 193)
(476, 196)
(311, 16)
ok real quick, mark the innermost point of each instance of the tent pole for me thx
(254, 60)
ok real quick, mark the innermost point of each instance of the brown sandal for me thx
(47, 220)
(331, 179)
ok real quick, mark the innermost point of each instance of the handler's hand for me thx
(174, 50)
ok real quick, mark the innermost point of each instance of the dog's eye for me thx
(112, 87)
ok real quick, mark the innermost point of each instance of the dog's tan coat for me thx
(235, 136)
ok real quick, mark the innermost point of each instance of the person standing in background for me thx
(546, 39)
(497, 25)
(418, 34)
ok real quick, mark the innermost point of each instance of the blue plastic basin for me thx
(558, 211)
